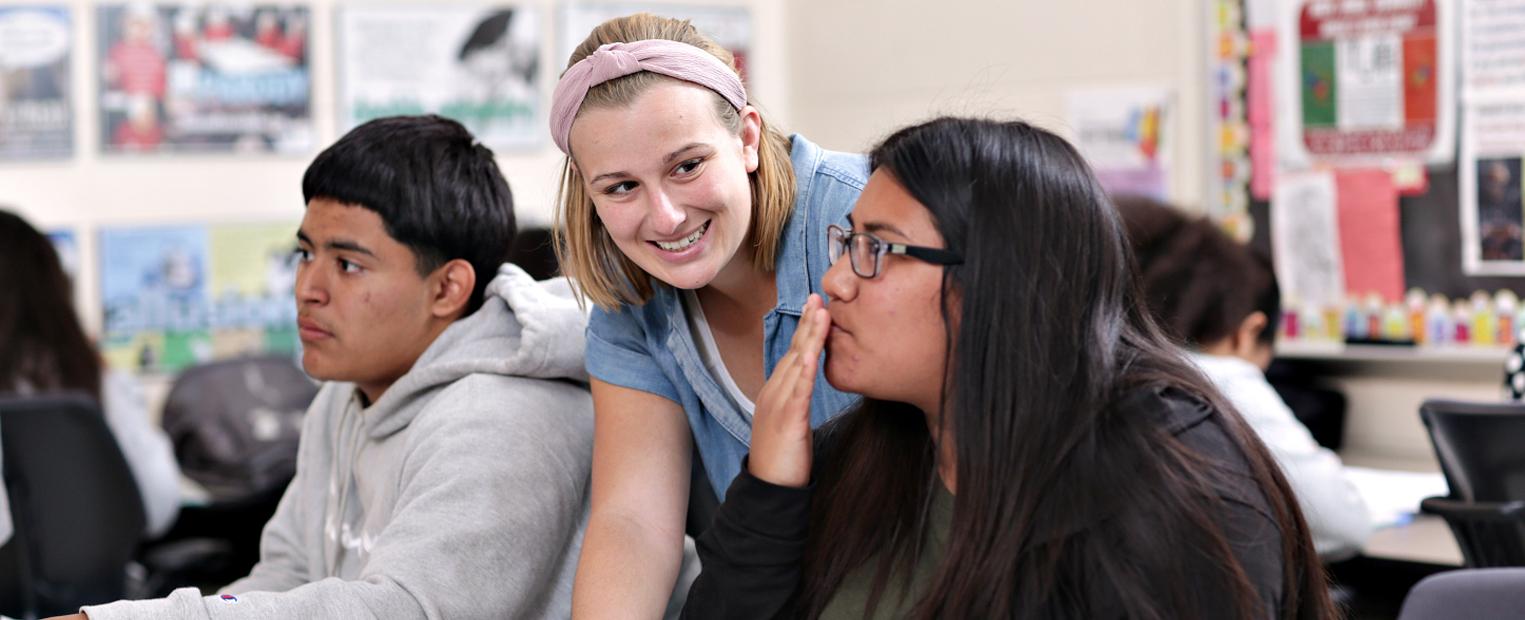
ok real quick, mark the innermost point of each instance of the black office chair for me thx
(1481, 449)
(76, 509)
(1474, 594)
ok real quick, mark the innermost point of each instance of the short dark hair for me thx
(1200, 284)
(437, 190)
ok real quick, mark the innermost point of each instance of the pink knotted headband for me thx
(613, 60)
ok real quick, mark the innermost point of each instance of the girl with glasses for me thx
(698, 230)
(1029, 444)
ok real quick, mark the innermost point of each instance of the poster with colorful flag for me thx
(175, 296)
(36, 101)
(1124, 134)
(1367, 82)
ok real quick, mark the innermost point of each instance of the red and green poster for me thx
(1369, 79)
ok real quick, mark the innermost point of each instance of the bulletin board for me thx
(1432, 240)
(1436, 243)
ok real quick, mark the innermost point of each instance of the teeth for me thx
(684, 242)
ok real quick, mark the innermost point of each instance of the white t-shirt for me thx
(704, 340)
(1336, 513)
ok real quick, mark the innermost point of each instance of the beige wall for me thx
(860, 69)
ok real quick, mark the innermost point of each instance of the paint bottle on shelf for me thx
(1355, 321)
(1291, 321)
(1395, 323)
(1437, 322)
(1374, 316)
(1461, 311)
(1484, 324)
(1505, 304)
(1413, 304)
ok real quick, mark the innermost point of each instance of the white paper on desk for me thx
(1393, 496)
(1305, 239)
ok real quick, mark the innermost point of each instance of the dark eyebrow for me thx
(881, 227)
(338, 244)
(347, 245)
(668, 160)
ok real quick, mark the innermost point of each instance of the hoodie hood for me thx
(523, 329)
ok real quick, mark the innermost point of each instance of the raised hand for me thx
(781, 448)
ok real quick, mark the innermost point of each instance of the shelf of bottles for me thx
(1482, 328)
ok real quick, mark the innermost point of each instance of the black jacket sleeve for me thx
(751, 554)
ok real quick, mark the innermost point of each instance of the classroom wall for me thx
(860, 69)
(91, 189)
(843, 72)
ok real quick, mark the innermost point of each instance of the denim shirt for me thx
(649, 347)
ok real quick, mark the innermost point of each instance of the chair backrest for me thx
(1475, 594)
(235, 423)
(1480, 446)
(75, 506)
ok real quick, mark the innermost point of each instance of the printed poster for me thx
(175, 296)
(1122, 133)
(729, 26)
(1493, 46)
(36, 105)
(67, 245)
(1305, 240)
(1492, 207)
(1369, 81)
(1493, 137)
(479, 65)
(204, 78)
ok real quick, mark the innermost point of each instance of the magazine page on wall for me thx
(36, 105)
(479, 65)
(193, 78)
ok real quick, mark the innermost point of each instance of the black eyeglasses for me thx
(867, 249)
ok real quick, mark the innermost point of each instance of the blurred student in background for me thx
(1221, 300)
(43, 348)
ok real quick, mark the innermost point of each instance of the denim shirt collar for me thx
(798, 252)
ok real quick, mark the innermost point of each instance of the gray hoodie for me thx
(461, 493)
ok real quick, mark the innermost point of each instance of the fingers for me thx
(801, 333)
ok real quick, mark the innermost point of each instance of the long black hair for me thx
(42, 345)
(1061, 492)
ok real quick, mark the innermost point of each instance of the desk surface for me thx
(1425, 539)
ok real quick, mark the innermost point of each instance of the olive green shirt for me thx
(851, 599)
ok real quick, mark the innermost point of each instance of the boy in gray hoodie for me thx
(443, 469)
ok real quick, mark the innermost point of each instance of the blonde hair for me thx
(585, 250)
